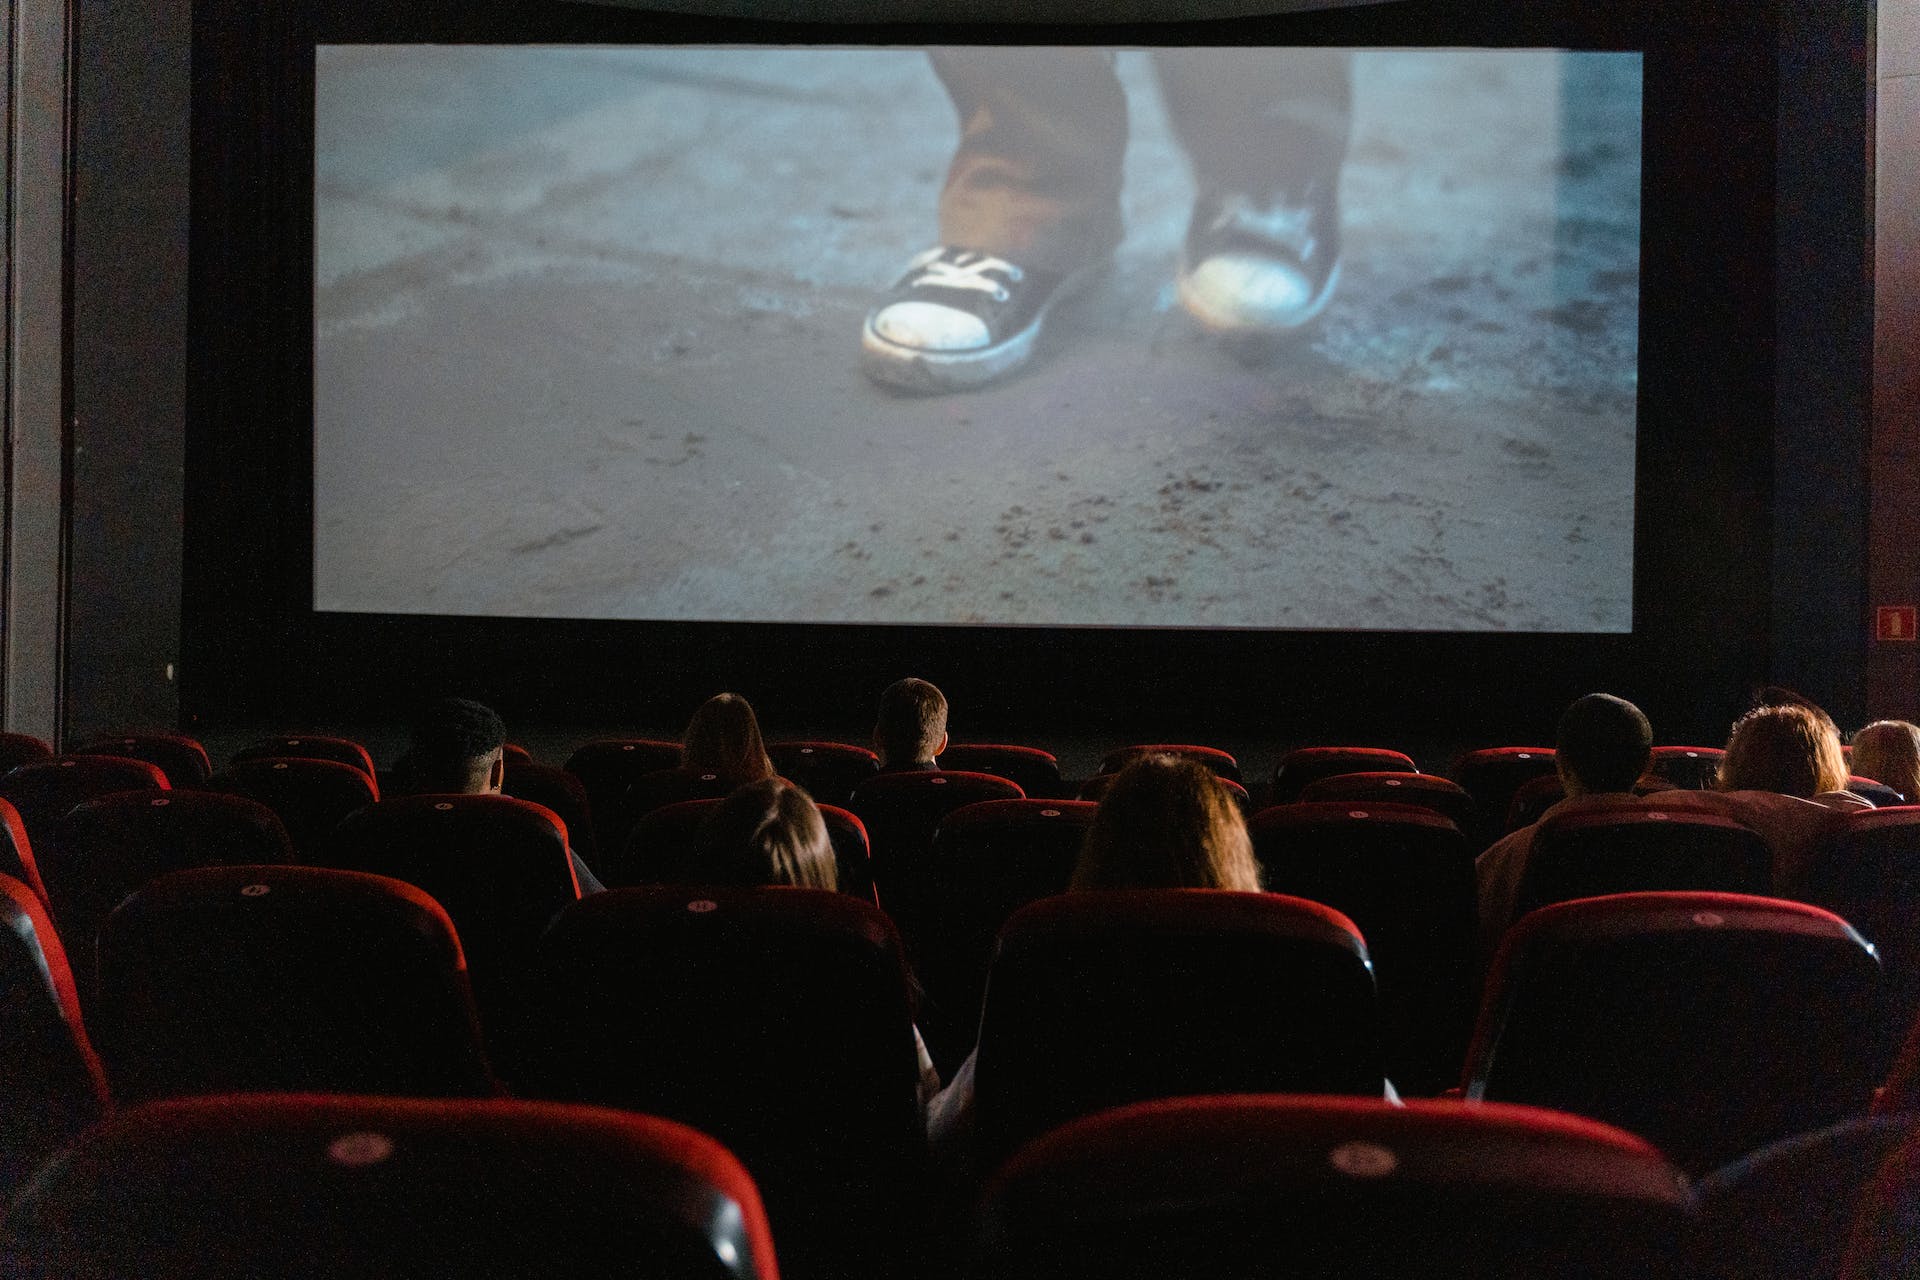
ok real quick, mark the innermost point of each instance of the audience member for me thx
(724, 738)
(1888, 751)
(1602, 746)
(767, 832)
(457, 747)
(911, 730)
(1164, 823)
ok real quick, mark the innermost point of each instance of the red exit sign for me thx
(1896, 622)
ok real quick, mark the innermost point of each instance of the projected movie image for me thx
(1240, 338)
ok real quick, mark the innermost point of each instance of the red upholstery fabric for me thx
(1690, 767)
(310, 796)
(1492, 775)
(606, 767)
(560, 792)
(309, 746)
(1034, 771)
(311, 1186)
(1588, 854)
(16, 851)
(1221, 762)
(827, 771)
(47, 790)
(1305, 765)
(1448, 799)
(21, 748)
(181, 758)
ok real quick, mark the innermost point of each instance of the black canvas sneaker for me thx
(959, 318)
(1251, 268)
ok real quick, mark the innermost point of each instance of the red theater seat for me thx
(607, 767)
(50, 1081)
(306, 1187)
(661, 848)
(901, 812)
(987, 861)
(1403, 875)
(21, 748)
(1102, 998)
(1426, 790)
(1492, 776)
(106, 848)
(1310, 764)
(285, 978)
(1334, 1187)
(1650, 849)
(1690, 768)
(560, 791)
(664, 787)
(1095, 789)
(310, 796)
(1034, 771)
(1868, 873)
(1711, 1024)
(776, 1019)
(47, 790)
(827, 771)
(1879, 794)
(1785, 1212)
(16, 852)
(181, 758)
(1222, 763)
(309, 746)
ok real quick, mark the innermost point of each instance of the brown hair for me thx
(767, 832)
(912, 724)
(1166, 823)
(1794, 750)
(724, 738)
(1888, 751)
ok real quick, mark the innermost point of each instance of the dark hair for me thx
(767, 832)
(451, 739)
(1792, 749)
(1603, 743)
(912, 723)
(1166, 823)
(724, 738)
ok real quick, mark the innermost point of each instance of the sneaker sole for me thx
(912, 369)
(1227, 326)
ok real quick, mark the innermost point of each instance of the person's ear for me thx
(944, 740)
(497, 771)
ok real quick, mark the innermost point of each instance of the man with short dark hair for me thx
(458, 748)
(911, 729)
(1602, 746)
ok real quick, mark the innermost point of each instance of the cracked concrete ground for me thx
(586, 347)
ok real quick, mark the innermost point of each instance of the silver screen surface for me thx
(588, 330)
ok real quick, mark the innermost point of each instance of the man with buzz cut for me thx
(911, 730)
(458, 747)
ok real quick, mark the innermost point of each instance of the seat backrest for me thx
(310, 1188)
(902, 810)
(310, 796)
(285, 978)
(1690, 768)
(1491, 775)
(827, 771)
(1710, 1024)
(1034, 771)
(108, 847)
(776, 1019)
(664, 787)
(1404, 876)
(1867, 872)
(1305, 765)
(1641, 850)
(1101, 998)
(50, 1082)
(1531, 802)
(1338, 1187)
(21, 748)
(660, 849)
(606, 767)
(560, 791)
(1221, 762)
(1428, 791)
(45, 791)
(1784, 1212)
(1095, 789)
(16, 851)
(308, 746)
(1879, 794)
(181, 758)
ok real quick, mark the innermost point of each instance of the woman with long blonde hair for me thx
(1888, 751)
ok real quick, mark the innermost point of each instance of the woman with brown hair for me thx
(1166, 823)
(1888, 751)
(724, 738)
(1793, 750)
(767, 832)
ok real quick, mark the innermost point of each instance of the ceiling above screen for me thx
(1106, 12)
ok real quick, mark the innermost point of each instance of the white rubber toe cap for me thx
(928, 326)
(1243, 292)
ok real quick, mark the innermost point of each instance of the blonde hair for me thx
(1794, 750)
(1166, 823)
(768, 832)
(724, 738)
(1888, 751)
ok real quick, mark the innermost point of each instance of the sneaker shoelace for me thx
(1288, 226)
(963, 271)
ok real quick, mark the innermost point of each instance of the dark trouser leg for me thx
(1037, 176)
(1265, 123)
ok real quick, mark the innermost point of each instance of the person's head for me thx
(1793, 749)
(1166, 823)
(456, 747)
(912, 725)
(1602, 745)
(1888, 751)
(724, 738)
(767, 832)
